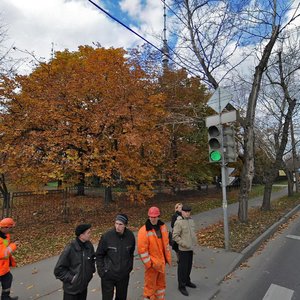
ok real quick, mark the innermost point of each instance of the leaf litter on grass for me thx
(242, 234)
(47, 237)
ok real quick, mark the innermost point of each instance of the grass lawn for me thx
(242, 234)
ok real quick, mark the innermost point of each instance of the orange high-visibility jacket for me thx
(154, 252)
(6, 259)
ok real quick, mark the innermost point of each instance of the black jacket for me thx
(75, 266)
(114, 255)
(175, 217)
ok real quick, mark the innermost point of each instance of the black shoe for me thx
(191, 285)
(183, 291)
(6, 297)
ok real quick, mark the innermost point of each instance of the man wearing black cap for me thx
(184, 235)
(76, 264)
(114, 259)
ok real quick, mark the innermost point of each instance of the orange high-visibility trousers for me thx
(155, 285)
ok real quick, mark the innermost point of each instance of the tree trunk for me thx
(294, 157)
(280, 144)
(80, 185)
(248, 166)
(108, 195)
(5, 193)
(269, 180)
(247, 175)
(248, 124)
(243, 197)
(289, 175)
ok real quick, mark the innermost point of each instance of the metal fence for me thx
(49, 205)
(57, 206)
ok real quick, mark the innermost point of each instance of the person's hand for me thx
(183, 245)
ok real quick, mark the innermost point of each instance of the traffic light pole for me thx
(221, 142)
(224, 174)
(224, 204)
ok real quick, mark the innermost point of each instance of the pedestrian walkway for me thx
(36, 281)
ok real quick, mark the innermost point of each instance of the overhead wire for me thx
(189, 64)
(184, 66)
(174, 13)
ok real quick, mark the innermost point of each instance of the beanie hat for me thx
(122, 218)
(186, 207)
(82, 228)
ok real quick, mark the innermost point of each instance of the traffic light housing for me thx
(230, 154)
(215, 143)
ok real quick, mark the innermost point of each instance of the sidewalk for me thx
(36, 281)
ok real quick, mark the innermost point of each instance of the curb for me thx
(251, 248)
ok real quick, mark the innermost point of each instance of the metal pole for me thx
(224, 175)
(226, 226)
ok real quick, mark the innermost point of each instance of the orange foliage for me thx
(187, 157)
(86, 112)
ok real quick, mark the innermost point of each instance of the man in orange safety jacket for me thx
(6, 258)
(154, 251)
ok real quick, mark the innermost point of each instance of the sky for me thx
(37, 26)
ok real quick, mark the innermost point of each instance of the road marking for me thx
(277, 292)
(295, 237)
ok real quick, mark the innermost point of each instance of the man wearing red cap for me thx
(6, 258)
(76, 264)
(154, 251)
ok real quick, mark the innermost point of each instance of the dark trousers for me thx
(81, 296)
(108, 286)
(6, 281)
(184, 267)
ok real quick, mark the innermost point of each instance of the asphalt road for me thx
(272, 273)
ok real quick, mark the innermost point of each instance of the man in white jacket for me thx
(184, 235)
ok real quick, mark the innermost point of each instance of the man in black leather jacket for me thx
(76, 265)
(114, 259)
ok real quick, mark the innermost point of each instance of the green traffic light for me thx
(215, 156)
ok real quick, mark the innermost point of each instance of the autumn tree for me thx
(219, 36)
(84, 113)
(184, 162)
(280, 99)
(7, 68)
(186, 98)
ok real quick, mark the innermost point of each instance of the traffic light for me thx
(230, 154)
(215, 143)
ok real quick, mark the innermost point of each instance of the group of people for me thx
(114, 256)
